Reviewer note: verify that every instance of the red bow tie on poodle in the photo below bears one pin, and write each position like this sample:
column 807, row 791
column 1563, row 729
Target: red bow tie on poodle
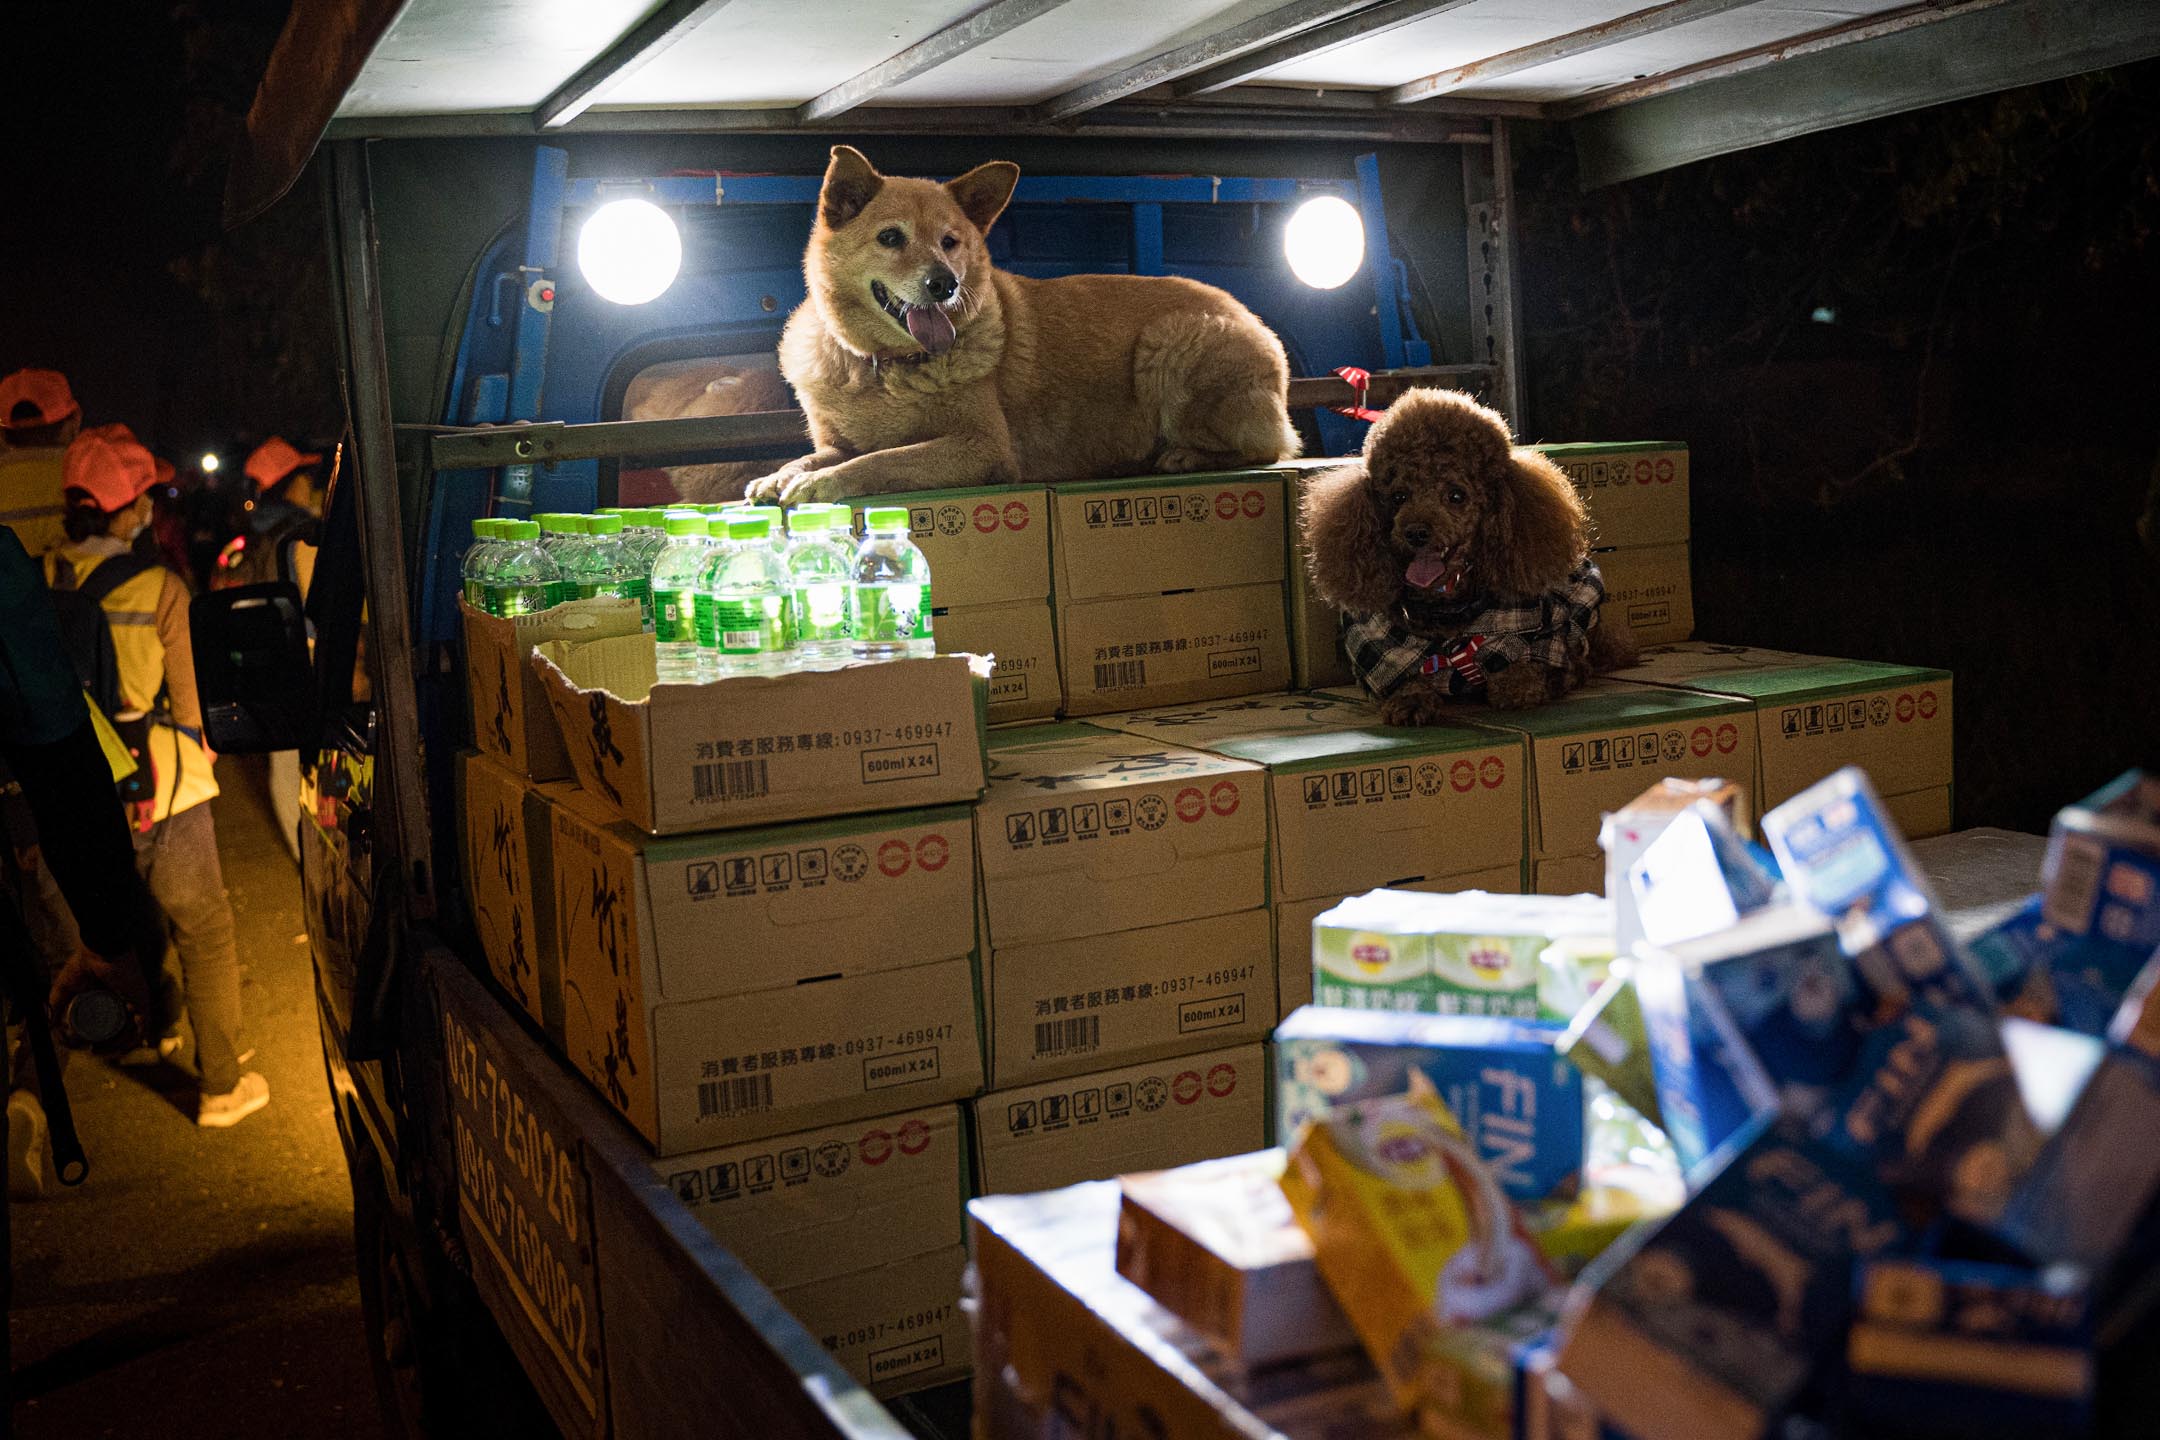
column 1462, row 563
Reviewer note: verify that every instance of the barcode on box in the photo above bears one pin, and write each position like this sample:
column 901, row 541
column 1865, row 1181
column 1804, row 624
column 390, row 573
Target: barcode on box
column 1121, row 675
column 726, row 780
column 1068, row 1037
column 724, row 1099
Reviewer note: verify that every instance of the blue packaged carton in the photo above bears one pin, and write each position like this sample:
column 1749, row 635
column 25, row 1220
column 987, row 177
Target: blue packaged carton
column 1966, row 1350
column 1840, row 852
column 2043, row 972
column 1698, row 877
column 1782, row 977
column 1710, row 1325
column 1709, row 1083
column 2102, row 872
column 2099, row 1174
column 1515, row 1097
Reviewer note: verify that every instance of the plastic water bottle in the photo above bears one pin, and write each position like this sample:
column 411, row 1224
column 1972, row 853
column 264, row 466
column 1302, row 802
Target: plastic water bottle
column 821, row 563
column 594, row 564
column 523, row 578
column 889, row 609
column 675, row 580
column 644, row 534
column 481, row 554
column 743, row 603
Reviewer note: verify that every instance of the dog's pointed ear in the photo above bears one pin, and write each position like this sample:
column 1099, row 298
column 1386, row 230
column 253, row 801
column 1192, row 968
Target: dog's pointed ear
column 1537, row 532
column 1346, row 543
column 982, row 193
column 850, row 182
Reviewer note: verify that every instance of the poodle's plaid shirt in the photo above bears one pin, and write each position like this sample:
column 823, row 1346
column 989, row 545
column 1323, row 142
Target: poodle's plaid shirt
column 1488, row 636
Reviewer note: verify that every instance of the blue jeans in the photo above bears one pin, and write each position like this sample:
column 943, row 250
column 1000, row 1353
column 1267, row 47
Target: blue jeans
column 178, row 859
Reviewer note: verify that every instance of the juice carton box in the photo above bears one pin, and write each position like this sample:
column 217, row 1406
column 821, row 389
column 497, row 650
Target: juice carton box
column 1521, row 1104
column 1950, row 1349
column 1632, row 829
column 2042, row 972
column 1426, row 1256
column 1709, row 1082
column 1607, row 1042
column 2102, row 871
column 1709, row 1325
column 1698, row 876
column 1462, row 954
column 1789, row 990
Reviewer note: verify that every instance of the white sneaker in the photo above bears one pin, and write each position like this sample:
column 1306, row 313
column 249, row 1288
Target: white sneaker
column 216, row 1112
column 26, row 1147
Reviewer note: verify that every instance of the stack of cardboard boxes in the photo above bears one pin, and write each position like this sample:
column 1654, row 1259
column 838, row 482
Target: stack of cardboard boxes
column 1638, row 498
column 842, row 953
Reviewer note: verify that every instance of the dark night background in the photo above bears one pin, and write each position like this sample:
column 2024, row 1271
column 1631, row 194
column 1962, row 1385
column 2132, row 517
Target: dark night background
column 1951, row 466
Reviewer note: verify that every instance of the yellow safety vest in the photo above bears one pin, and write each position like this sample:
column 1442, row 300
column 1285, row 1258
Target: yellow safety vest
column 30, row 503
column 184, row 775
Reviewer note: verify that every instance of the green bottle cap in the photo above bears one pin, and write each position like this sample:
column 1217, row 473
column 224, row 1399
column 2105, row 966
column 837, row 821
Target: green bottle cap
column 716, row 526
column 520, row 529
column 810, row 519
column 603, row 524
column 612, row 510
column 681, row 522
column 555, row 522
column 888, row 517
column 483, row 529
column 749, row 527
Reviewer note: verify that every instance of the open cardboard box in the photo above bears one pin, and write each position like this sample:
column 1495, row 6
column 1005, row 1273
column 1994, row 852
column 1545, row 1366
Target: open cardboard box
column 512, row 721
column 753, row 750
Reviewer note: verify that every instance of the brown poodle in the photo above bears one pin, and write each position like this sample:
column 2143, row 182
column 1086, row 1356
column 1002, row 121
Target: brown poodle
column 1463, row 564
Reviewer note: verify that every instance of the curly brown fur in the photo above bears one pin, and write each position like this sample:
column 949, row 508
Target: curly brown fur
column 1441, row 480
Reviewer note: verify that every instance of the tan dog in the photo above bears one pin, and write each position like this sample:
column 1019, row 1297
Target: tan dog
column 919, row 365
column 681, row 389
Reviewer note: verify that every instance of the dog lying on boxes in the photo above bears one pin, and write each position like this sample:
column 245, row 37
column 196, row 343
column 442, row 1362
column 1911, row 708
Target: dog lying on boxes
column 1462, row 562
column 919, row 365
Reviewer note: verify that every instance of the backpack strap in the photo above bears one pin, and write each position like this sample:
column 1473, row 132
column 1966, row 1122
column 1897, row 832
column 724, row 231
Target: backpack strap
column 111, row 574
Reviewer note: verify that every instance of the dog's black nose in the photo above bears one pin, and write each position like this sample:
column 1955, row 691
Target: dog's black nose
column 1418, row 535
column 941, row 284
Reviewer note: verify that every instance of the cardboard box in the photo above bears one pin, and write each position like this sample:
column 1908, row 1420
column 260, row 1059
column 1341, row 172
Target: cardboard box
column 1294, row 922
column 1652, row 587
column 897, row 1328
column 1316, row 655
column 1150, row 1116
column 1816, row 714
column 509, row 886
column 752, row 750
column 1568, row 875
column 1216, row 1244
column 987, row 545
column 1200, row 532
column 820, row 1204
column 1065, row 1344
column 829, row 998
column 511, row 718
column 1172, row 648
column 1354, row 804
column 1705, row 1327
column 1518, row 1101
column 1219, row 627
column 1598, row 747
column 1021, row 639
column 1086, row 831
column 1068, row 1006
column 1637, row 491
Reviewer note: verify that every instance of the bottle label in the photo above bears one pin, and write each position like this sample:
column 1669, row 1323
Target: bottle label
column 749, row 625
column 675, row 617
column 821, row 612
column 892, row 613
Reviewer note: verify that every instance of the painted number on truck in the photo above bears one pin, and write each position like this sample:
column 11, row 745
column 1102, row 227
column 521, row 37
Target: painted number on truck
column 526, row 1205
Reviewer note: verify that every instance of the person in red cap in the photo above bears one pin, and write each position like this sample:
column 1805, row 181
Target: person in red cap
column 107, row 482
column 38, row 419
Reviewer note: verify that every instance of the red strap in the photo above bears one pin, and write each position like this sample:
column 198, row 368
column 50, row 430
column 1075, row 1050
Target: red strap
column 1360, row 381
column 1459, row 655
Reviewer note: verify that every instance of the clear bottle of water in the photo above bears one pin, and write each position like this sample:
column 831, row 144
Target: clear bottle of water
column 821, row 563
column 479, row 556
column 560, row 531
column 646, row 536
column 594, row 564
column 676, row 573
column 743, row 603
column 523, row 578
column 889, row 605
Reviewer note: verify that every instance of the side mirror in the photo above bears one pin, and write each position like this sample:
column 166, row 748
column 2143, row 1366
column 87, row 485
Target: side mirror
column 253, row 670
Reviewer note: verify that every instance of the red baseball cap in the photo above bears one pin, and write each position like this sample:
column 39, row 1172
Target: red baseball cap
column 112, row 470
column 275, row 459
column 118, row 431
column 46, row 391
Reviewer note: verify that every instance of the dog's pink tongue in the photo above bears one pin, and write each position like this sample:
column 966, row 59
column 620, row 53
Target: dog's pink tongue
column 931, row 327
column 1427, row 569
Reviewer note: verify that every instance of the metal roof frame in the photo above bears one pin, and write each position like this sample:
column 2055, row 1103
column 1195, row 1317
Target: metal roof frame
column 1202, row 87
